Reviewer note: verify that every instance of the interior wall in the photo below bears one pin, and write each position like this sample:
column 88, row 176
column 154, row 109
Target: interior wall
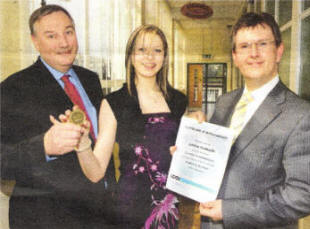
column 215, row 44
column 179, row 58
column 10, row 38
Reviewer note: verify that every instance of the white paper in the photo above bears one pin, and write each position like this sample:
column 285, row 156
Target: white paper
column 198, row 165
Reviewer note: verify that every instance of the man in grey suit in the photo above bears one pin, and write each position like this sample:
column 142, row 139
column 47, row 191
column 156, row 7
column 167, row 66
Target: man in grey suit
column 267, row 179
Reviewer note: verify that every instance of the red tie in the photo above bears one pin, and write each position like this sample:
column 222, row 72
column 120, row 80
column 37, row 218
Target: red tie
column 76, row 99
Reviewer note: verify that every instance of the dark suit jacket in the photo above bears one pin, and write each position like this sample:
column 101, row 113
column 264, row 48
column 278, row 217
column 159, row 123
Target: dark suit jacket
column 53, row 194
column 267, row 179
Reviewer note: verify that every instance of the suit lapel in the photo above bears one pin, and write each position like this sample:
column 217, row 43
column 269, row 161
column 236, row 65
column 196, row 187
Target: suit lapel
column 225, row 109
column 88, row 86
column 51, row 87
column 268, row 111
column 84, row 81
column 50, row 84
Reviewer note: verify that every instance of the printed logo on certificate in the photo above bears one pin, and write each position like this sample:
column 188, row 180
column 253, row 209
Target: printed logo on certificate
column 198, row 165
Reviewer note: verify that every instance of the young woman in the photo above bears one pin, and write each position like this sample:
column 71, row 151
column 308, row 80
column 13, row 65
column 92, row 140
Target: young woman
column 143, row 117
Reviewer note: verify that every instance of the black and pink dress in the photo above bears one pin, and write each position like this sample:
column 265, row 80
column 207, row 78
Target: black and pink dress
column 141, row 199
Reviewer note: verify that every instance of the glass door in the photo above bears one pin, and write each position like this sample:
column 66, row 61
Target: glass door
column 205, row 83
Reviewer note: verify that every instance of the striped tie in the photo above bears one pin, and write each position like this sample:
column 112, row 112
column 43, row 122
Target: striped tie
column 238, row 118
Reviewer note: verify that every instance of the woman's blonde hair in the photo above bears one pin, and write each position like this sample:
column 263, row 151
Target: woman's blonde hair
column 162, row 75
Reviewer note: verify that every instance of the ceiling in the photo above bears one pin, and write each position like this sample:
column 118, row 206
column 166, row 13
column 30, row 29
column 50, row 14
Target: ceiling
column 225, row 13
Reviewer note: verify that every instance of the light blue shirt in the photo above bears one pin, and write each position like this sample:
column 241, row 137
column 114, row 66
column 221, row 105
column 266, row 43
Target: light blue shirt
column 91, row 110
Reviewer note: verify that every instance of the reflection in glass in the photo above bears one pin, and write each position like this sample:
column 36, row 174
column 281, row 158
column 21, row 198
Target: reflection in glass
column 285, row 11
column 216, row 70
column 305, row 59
column 284, row 70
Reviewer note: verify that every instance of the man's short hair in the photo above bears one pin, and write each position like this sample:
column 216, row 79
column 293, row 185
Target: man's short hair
column 253, row 19
column 43, row 11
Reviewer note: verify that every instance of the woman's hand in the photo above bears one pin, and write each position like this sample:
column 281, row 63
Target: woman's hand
column 172, row 149
column 198, row 115
column 85, row 142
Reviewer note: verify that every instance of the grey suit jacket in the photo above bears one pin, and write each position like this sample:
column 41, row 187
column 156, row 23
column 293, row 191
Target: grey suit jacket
column 267, row 179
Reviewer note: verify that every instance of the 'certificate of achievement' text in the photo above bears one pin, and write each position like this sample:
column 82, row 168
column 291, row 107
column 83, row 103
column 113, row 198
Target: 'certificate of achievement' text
column 199, row 163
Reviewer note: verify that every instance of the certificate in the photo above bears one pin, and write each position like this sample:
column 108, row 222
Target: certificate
column 198, row 165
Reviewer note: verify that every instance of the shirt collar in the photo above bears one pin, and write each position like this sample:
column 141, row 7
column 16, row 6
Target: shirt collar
column 262, row 92
column 57, row 74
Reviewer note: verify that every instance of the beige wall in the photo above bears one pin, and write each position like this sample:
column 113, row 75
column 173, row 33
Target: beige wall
column 16, row 49
column 10, row 38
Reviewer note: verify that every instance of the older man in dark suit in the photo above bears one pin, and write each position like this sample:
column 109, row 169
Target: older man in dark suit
column 267, row 179
column 51, row 190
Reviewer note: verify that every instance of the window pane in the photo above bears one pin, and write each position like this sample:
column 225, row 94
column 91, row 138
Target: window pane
column 285, row 62
column 270, row 6
column 305, row 59
column 285, row 11
column 306, row 4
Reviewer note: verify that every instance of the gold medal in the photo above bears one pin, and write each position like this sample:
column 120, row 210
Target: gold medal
column 77, row 117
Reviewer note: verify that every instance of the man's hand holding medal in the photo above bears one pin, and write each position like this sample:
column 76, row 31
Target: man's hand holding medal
column 73, row 130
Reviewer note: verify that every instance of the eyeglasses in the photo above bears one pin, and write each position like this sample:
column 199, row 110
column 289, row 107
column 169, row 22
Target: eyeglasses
column 260, row 45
